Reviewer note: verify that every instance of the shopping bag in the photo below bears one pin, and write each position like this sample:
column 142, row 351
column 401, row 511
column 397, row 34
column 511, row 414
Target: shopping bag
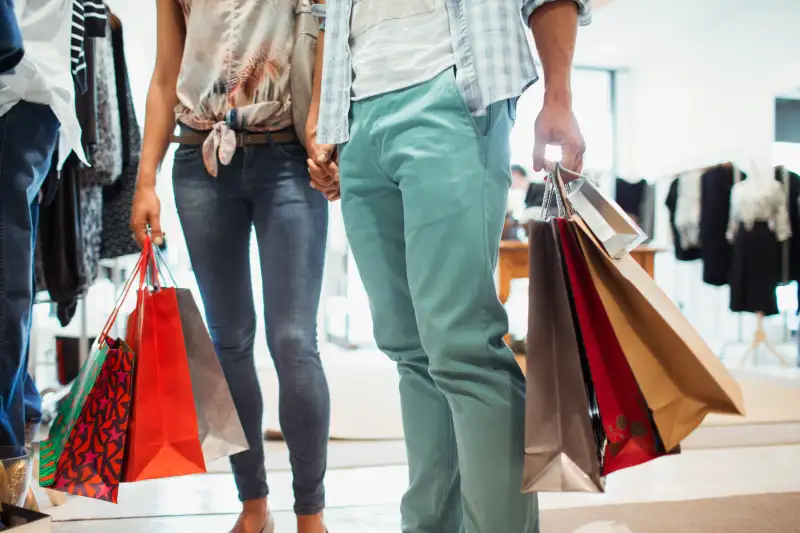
column 561, row 449
column 220, row 430
column 681, row 379
column 85, row 449
column 631, row 434
column 91, row 464
column 163, row 434
column 612, row 226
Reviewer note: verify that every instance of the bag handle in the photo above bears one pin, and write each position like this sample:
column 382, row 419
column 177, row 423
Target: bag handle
column 140, row 269
column 555, row 183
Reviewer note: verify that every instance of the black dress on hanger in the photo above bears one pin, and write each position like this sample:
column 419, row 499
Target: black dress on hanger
column 630, row 197
column 717, row 252
column 759, row 224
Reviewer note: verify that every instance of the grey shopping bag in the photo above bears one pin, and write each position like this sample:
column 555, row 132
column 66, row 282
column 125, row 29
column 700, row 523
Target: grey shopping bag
column 221, row 432
column 561, row 451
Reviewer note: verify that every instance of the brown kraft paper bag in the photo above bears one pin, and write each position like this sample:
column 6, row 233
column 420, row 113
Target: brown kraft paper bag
column 560, row 450
column 681, row 379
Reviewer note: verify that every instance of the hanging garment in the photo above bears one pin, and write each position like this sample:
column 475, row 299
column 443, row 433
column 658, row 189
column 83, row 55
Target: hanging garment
column 794, row 221
column 106, row 154
column 61, row 245
column 682, row 252
column 91, row 209
column 687, row 208
column 647, row 220
column 759, row 201
column 755, row 270
column 88, row 20
column 715, row 197
column 117, row 198
column 629, row 196
column 759, row 222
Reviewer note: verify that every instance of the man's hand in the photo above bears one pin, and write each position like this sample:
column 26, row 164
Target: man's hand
column 322, row 164
column 556, row 125
column 555, row 27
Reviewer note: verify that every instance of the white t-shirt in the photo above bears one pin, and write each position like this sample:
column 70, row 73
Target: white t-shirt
column 396, row 44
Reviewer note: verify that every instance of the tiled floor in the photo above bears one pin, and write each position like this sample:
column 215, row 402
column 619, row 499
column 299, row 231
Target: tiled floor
column 365, row 500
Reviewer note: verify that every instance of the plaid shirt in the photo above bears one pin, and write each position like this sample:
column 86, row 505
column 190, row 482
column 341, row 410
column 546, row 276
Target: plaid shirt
column 493, row 58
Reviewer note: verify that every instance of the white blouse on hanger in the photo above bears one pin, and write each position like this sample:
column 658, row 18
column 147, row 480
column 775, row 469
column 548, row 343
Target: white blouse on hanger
column 688, row 207
column 754, row 200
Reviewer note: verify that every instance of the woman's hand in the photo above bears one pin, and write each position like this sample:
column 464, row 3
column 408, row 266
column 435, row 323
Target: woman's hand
column 146, row 211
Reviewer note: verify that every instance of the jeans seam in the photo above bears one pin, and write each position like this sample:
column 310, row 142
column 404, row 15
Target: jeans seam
column 3, row 299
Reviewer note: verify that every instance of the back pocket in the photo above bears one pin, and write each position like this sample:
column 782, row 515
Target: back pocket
column 369, row 13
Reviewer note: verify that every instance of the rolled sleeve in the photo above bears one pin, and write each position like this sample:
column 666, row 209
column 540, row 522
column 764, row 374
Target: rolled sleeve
column 320, row 11
column 584, row 9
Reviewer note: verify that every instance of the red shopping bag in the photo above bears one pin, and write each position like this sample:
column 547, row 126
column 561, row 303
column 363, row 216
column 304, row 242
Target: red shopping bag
column 631, row 433
column 163, row 438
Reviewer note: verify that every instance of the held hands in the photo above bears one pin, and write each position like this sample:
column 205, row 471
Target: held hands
column 556, row 125
column 146, row 211
column 322, row 164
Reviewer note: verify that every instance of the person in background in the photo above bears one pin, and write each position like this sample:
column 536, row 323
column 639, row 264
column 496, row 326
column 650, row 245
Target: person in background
column 222, row 71
column 519, row 178
column 520, row 184
column 37, row 118
column 447, row 103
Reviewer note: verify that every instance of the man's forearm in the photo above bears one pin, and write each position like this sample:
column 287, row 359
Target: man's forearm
column 555, row 28
column 313, row 113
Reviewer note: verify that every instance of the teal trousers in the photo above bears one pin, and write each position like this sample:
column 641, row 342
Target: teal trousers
column 424, row 187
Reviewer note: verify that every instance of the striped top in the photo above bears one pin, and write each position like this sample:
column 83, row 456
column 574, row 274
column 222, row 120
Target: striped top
column 88, row 20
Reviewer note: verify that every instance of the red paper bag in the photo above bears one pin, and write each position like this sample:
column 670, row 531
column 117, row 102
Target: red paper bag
column 163, row 437
column 631, row 434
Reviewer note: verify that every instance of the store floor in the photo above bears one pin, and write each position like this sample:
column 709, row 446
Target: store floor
column 365, row 500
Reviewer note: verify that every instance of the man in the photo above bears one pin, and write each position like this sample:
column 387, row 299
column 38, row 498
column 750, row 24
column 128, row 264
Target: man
column 36, row 110
column 420, row 97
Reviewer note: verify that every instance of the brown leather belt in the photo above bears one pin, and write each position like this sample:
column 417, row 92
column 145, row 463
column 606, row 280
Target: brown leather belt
column 242, row 138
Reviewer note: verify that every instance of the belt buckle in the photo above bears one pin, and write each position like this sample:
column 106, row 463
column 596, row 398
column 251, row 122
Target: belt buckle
column 240, row 139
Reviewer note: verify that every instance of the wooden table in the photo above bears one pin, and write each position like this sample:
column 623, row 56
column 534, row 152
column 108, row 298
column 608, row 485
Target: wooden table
column 513, row 263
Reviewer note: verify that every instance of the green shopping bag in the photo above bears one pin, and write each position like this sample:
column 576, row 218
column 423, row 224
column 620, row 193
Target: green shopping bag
column 52, row 448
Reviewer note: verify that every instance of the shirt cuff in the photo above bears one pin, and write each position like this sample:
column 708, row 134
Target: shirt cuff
column 584, row 10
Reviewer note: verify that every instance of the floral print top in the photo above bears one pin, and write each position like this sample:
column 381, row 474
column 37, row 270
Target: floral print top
column 235, row 69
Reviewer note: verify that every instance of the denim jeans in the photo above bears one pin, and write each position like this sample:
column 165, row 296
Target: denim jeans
column 266, row 187
column 28, row 134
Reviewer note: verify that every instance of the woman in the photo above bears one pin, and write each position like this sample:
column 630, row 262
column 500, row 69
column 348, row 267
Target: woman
column 222, row 68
